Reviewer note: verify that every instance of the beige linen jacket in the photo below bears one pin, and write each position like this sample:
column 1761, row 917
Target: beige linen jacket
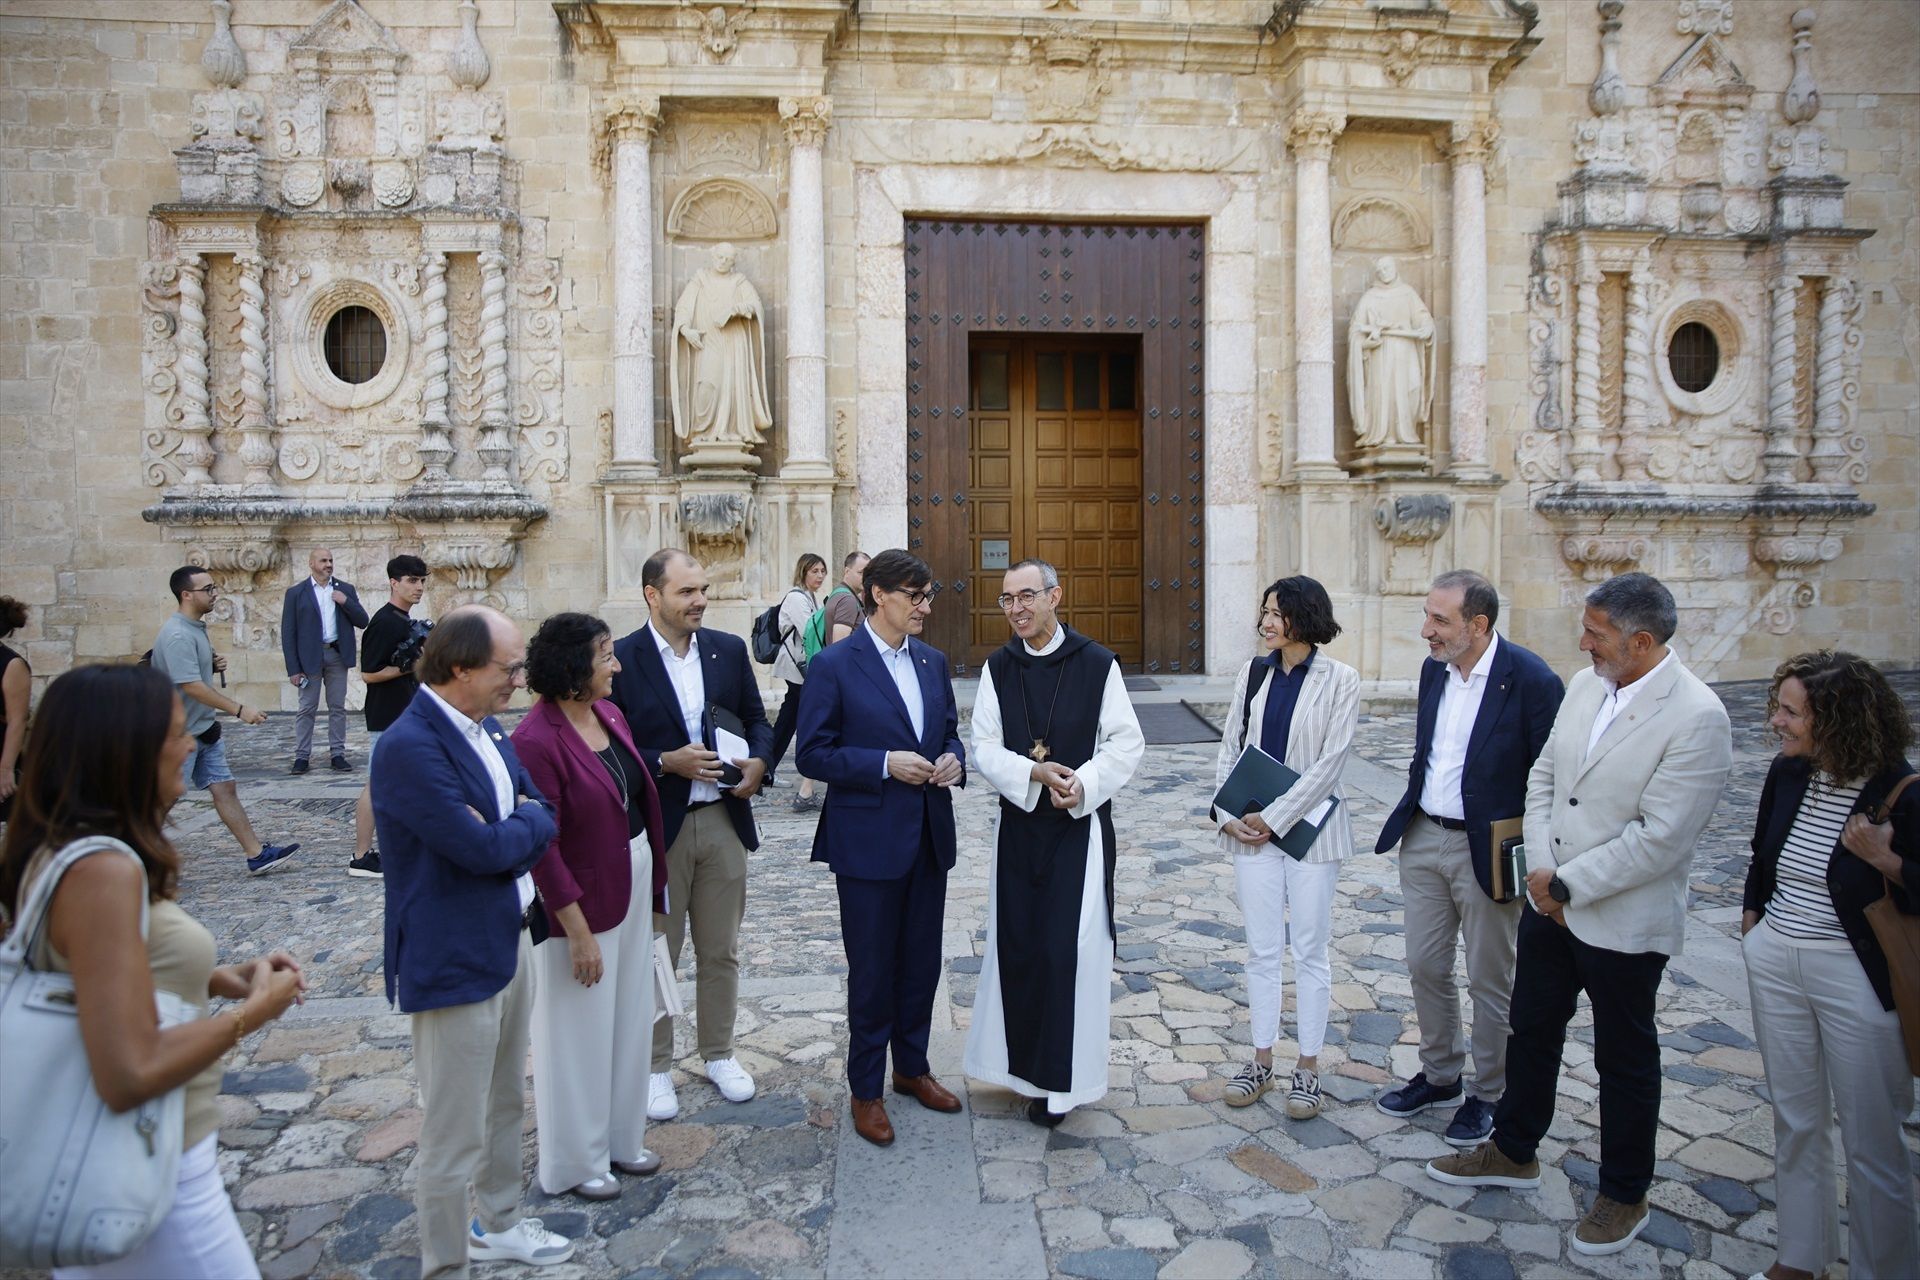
column 1621, row 824
column 1317, row 744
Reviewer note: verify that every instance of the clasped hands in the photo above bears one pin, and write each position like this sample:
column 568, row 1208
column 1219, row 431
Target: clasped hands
column 916, row 770
column 1249, row 830
column 1543, row 902
column 698, row 763
column 1063, row 785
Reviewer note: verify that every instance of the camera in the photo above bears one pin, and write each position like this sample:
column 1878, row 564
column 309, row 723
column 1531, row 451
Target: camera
column 408, row 651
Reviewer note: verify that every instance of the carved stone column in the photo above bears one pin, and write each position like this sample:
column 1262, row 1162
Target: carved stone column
column 1472, row 140
column 257, row 451
column 496, row 445
column 436, row 444
column 1584, row 452
column 806, row 121
column 1828, row 458
column 1311, row 136
column 195, row 405
column 1780, row 458
column 1636, row 382
column 630, row 126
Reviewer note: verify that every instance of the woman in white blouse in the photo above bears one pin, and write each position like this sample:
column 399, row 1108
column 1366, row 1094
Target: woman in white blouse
column 1300, row 707
column 1822, row 999
column 790, row 663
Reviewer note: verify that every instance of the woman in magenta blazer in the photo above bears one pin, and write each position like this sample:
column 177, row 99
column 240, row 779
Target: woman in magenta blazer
column 601, row 880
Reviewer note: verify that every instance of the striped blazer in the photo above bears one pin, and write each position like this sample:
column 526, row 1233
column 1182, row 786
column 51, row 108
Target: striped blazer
column 1317, row 746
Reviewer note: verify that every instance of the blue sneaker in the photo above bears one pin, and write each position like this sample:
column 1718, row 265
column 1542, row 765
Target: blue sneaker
column 1473, row 1124
column 1417, row 1095
column 268, row 858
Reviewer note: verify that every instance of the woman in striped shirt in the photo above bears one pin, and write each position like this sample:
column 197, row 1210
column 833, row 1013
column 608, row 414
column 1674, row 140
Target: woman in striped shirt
column 1822, row 1002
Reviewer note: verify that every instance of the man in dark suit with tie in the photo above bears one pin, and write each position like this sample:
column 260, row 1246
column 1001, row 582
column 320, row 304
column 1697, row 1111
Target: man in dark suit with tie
column 675, row 676
column 317, row 622
column 461, row 824
column 879, row 726
column 1486, row 708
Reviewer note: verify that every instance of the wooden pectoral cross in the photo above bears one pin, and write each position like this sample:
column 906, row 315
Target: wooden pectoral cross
column 1039, row 751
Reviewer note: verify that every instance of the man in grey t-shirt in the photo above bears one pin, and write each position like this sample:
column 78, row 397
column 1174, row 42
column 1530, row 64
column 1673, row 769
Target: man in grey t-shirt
column 184, row 653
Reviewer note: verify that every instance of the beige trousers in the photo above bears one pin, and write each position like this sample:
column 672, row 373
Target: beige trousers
column 471, row 1063
column 1443, row 903
column 707, row 885
column 1828, row 1046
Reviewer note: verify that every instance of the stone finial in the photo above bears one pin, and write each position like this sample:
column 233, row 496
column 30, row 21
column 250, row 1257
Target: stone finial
column 222, row 60
column 467, row 65
column 1802, row 101
column 1609, row 90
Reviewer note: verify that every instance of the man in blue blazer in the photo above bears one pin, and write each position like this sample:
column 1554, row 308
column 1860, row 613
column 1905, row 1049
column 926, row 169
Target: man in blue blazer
column 676, row 680
column 317, row 621
column 879, row 726
column 1486, row 708
column 461, row 824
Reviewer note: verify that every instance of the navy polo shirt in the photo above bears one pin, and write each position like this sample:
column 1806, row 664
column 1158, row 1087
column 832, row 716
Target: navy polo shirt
column 1283, row 694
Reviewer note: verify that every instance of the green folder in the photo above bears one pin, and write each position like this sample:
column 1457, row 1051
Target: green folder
column 1258, row 778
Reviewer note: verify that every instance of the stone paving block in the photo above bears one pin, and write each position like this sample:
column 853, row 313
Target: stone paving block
column 1110, row 1264
column 1446, row 1226
column 1365, row 1212
column 1210, row 1260
column 1724, row 1159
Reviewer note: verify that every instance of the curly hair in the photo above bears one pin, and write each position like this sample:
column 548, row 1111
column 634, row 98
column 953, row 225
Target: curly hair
column 1860, row 726
column 560, row 655
column 13, row 616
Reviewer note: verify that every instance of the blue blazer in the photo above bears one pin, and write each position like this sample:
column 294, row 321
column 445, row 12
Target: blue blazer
column 1516, row 715
column 300, row 642
column 453, row 914
column 851, row 716
column 646, row 697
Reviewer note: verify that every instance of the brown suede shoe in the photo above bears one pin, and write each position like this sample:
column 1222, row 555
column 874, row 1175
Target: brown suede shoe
column 1484, row 1166
column 870, row 1121
column 930, row 1093
column 1609, row 1226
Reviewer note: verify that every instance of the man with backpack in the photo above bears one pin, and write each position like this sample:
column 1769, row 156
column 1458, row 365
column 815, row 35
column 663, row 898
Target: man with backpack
column 840, row 615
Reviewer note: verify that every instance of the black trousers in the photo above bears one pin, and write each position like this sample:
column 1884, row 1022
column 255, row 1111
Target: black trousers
column 892, row 933
column 784, row 725
column 1552, row 967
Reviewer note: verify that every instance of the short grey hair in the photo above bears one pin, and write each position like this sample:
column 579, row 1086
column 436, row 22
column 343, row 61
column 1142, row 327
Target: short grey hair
column 1637, row 602
column 1049, row 576
column 1481, row 598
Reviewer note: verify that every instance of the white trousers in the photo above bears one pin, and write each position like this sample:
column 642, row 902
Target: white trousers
column 198, row 1238
column 1271, row 884
column 592, row 1046
column 1828, row 1046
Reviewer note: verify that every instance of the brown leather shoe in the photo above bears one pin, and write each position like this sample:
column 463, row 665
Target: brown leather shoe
column 870, row 1121
column 930, row 1093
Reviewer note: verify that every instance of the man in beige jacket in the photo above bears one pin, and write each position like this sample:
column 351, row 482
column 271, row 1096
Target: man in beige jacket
column 1638, row 757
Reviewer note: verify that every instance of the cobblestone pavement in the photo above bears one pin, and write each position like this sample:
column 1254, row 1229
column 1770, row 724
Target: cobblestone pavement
column 1159, row 1179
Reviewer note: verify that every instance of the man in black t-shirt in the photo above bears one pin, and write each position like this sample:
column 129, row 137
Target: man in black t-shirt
column 388, row 648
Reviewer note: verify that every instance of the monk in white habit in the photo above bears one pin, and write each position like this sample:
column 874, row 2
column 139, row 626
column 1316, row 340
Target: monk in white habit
column 719, row 364
column 1389, row 361
column 1054, row 734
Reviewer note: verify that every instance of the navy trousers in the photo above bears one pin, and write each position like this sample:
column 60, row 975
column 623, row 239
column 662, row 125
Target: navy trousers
column 891, row 930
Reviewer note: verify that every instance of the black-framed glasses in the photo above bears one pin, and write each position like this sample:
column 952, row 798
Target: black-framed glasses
column 514, row 670
column 209, row 589
column 1025, row 598
column 918, row 598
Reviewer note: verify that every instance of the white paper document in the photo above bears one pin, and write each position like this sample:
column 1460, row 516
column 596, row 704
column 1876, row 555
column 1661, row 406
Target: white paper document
column 731, row 747
column 1318, row 814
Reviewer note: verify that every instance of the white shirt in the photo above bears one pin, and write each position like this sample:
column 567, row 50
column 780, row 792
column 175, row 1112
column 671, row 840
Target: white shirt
column 329, row 621
column 690, row 686
column 1460, row 702
column 1618, row 696
column 478, row 738
column 899, row 665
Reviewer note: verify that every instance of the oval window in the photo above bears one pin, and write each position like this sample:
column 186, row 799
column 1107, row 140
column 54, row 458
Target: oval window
column 1693, row 356
column 355, row 345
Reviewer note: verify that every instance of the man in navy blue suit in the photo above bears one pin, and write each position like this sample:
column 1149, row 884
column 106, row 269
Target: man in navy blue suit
column 1486, row 708
column 461, row 824
column 879, row 726
column 317, row 621
column 676, row 678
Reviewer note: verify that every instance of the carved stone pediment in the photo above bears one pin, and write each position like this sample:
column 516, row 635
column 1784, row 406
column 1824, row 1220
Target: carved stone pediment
column 1704, row 74
column 345, row 37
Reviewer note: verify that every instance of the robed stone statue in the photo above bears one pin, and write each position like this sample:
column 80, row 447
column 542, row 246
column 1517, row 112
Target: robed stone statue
column 719, row 366
column 1389, row 362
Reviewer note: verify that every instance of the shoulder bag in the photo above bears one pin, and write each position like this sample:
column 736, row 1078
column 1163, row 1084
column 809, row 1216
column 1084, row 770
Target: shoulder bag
column 1899, row 937
column 85, row 1185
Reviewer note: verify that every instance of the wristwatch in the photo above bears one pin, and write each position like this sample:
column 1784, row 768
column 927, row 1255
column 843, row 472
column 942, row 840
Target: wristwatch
column 1557, row 890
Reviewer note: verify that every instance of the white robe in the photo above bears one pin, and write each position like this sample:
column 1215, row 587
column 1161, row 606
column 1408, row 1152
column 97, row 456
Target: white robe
column 1118, row 746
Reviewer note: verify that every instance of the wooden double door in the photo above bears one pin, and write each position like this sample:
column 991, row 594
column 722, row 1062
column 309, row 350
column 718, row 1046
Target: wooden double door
column 1054, row 472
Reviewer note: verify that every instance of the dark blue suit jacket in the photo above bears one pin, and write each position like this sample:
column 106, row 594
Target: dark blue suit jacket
column 453, row 914
column 300, row 642
column 851, row 716
column 1516, row 715
column 645, row 695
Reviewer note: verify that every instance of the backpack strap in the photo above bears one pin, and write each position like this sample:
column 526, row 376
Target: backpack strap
column 1256, row 681
column 22, row 944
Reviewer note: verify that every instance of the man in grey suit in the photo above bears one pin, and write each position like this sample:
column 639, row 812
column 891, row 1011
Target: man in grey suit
column 1638, row 757
column 317, row 623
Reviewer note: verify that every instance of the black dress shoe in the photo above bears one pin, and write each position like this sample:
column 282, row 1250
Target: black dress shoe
column 340, row 765
column 300, row 766
column 1038, row 1113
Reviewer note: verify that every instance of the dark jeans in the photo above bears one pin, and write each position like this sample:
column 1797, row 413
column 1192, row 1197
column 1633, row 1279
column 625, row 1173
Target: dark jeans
column 784, row 725
column 892, row 933
column 1552, row 968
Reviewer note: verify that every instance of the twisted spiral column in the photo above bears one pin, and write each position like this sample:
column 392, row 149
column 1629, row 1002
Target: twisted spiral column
column 256, row 425
column 193, row 409
column 436, row 445
column 1636, row 384
column 496, row 447
column 1829, row 454
column 1584, row 453
column 1779, row 459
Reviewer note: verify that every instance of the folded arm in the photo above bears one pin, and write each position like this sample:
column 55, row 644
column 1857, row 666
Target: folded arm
column 428, row 801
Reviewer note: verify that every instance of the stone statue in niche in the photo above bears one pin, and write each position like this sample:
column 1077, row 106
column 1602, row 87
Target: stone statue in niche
column 719, row 366
column 1390, row 363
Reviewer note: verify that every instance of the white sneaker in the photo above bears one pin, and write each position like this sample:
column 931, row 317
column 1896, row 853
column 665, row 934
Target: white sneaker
column 662, row 1102
column 731, row 1079
column 528, row 1241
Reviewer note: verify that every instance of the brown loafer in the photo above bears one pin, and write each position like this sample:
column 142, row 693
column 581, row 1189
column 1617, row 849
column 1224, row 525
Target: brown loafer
column 930, row 1093
column 870, row 1121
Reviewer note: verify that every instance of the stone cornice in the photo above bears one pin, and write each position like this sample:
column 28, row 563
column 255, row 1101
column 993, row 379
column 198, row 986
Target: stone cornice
column 1762, row 504
column 214, row 511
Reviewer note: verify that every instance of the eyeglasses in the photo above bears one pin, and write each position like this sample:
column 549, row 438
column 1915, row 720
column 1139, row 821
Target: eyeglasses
column 209, row 589
column 514, row 670
column 915, row 598
column 1024, row 598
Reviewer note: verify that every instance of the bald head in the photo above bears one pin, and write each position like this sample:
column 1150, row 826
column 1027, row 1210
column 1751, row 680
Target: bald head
column 320, row 564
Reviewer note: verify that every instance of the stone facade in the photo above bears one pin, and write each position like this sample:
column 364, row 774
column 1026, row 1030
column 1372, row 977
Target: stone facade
column 516, row 190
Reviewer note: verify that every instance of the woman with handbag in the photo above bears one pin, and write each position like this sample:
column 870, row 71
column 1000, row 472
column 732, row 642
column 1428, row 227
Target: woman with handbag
column 600, row 882
column 104, row 763
column 1824, row 853
column 790, row 664
column 1300, row 707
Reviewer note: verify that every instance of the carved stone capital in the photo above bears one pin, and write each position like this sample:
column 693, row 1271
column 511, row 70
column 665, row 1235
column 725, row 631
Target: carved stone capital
column 1598, row 557
column 1472, row 141
column 238, row 562
column 1413, row 519
column 806, row 120
column 1311, row 134
column 633, row 117
column 474, row 557
column 1796, row 552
